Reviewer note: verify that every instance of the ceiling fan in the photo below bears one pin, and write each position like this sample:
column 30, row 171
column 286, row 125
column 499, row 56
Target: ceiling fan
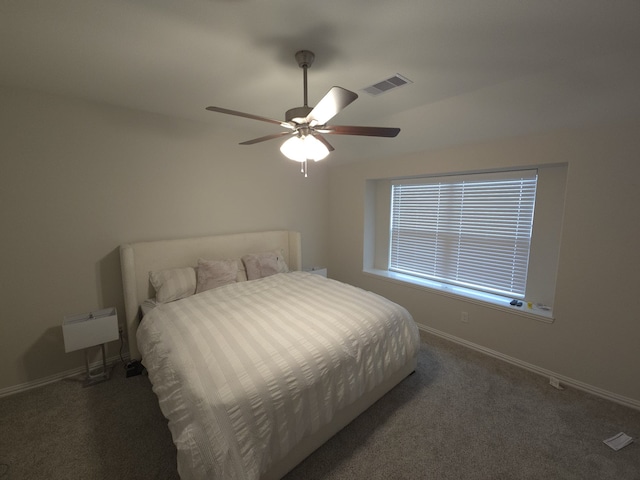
column 306, row 125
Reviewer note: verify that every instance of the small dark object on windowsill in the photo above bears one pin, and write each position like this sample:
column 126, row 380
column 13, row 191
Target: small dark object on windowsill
column 515, row 303
column 134, row 368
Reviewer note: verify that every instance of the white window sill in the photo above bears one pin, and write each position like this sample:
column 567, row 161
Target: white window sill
column 465, row 294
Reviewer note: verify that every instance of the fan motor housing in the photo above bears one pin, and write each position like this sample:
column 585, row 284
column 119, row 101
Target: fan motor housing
column 297, row 114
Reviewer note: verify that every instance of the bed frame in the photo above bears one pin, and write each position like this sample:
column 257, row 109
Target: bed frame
column 138, row 259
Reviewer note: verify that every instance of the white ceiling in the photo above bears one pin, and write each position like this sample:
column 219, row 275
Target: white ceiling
column 480, row 69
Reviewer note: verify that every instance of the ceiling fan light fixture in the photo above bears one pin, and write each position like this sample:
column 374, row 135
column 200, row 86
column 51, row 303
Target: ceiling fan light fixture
column 304, row 147
column 307, row 125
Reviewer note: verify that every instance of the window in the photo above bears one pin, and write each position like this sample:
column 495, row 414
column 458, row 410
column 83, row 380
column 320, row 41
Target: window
column 488, row 237
column 472, row 231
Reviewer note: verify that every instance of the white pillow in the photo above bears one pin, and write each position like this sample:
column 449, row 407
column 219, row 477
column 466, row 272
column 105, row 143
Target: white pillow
column 260, row 265
column 174, row 283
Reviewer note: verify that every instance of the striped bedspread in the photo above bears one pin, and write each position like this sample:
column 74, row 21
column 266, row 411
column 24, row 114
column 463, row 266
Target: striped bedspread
column 245, row 371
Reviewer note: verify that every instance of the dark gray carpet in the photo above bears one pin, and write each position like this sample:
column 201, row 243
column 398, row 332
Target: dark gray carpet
column 112, row 430
column 462, row 415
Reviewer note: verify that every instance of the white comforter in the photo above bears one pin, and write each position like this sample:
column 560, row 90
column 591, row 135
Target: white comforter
column 245, row 371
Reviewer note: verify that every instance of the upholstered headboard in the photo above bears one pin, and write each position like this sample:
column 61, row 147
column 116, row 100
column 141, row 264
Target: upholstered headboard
column 138, row 259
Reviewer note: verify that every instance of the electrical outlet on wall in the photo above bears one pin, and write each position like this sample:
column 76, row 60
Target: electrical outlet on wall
column 464, row 317
column 555, row 383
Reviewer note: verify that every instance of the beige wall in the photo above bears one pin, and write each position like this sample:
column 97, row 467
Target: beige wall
column 596, row 334
column 78, row 179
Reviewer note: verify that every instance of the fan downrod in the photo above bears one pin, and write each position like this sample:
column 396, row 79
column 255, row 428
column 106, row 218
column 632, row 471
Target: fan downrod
column 298, row 115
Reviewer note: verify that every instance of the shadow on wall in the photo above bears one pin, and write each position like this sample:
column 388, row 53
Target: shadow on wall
column 50, row 345
column 110, row 292
column 109, row 283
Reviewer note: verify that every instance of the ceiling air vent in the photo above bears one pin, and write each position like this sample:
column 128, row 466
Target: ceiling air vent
column 385, row 85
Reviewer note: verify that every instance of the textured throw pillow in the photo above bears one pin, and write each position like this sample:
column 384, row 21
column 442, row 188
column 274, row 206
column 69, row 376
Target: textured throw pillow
column 260, row 265
column 215, row 273
column 242, row 271
column 174, row 283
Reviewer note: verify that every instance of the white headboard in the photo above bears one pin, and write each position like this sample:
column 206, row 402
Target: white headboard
column 138, row 259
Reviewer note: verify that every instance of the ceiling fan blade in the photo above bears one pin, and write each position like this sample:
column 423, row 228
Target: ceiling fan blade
column 324, row 141
column 265, row 138
column 366, row 131
column 249, row 115
column 335, row 100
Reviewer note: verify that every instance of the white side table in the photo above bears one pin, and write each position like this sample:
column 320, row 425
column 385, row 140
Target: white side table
column 319, row 271
column 87, row 330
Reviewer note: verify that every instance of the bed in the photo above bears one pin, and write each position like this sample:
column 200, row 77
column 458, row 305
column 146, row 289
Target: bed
column 256, row 373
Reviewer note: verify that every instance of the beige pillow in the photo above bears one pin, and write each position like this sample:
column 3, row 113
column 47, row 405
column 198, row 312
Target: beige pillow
column 260, row 265
column 173, row 284
column 215, row 273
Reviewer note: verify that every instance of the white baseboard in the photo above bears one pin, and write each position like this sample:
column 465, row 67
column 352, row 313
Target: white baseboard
column 614, row 397
column 22, row 387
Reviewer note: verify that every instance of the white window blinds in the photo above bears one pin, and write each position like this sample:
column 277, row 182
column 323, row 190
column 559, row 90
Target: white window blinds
column 471, row 230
